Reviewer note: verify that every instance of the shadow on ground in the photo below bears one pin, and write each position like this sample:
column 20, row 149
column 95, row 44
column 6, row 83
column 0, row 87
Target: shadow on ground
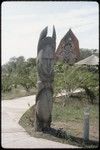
column 53, row 134
column 59, row 133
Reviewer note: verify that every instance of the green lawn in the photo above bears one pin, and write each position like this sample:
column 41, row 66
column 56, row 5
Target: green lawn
column 73, row 111
column 71, row 117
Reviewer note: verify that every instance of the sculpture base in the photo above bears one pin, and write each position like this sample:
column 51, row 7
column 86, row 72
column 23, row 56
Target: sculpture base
column 40, row 125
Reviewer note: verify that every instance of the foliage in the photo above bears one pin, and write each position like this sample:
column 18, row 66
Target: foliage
column 19, row 72
column 69, row 78
column 84, row 53
column 6, row 83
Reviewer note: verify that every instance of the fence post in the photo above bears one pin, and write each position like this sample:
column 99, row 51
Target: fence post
column 86, row 125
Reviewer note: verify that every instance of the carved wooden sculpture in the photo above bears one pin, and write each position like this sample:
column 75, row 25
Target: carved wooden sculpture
column 44, row 97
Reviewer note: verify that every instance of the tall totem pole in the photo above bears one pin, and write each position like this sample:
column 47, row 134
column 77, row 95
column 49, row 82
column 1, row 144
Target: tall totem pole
column 44, row 97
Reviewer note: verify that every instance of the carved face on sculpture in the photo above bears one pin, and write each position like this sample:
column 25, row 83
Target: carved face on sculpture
column 46, row 51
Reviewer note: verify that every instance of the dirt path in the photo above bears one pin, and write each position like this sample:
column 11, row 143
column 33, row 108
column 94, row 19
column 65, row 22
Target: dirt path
column 13, row 135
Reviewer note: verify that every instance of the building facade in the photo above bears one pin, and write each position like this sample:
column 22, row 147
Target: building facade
column 68, row 48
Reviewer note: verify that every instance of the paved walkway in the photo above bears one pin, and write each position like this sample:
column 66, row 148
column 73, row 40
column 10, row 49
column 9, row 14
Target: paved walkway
column 13, row 135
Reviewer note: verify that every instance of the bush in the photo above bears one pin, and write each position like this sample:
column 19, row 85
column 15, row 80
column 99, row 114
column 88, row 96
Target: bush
column 73, row 77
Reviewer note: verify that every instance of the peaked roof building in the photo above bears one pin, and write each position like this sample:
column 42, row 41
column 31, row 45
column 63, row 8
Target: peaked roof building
column 68, row 49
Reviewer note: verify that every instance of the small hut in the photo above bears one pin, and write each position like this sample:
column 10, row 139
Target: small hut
column 92, row 63
column 91, row 60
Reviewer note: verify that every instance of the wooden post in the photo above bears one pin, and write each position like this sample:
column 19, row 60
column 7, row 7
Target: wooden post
column 86, row 125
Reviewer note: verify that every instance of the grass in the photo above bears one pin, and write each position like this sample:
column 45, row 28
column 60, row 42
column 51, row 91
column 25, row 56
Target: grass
column 68, row 120
column 73, row 111
column 66, row 113
column 71, row 117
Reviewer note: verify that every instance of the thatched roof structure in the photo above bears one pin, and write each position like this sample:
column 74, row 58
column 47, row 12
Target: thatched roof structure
column 91, row 60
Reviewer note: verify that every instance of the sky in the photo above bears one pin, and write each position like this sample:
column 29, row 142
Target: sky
column 22, row 23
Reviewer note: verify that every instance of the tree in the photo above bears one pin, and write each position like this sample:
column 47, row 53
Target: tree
column 25, row 70
column 19, row 72
column 31, row 62
column 84, row 53
column 6, row 83
column 72, row 77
